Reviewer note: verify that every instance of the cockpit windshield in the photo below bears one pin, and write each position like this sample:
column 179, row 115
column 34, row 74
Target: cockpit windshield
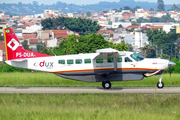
column 137, row 57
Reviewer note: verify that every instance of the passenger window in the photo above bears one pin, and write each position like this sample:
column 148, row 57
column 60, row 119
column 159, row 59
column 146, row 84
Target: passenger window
column 128, row 60
column 87, row 61
column 110, row 60
column 61, row 61
column 78, row 61
column 70, row 61
column 99, row 60
column 119, row 59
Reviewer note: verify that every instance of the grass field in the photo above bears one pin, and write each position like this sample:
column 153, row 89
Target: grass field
column 39, row 79
column 89, row 107
column 86, row 106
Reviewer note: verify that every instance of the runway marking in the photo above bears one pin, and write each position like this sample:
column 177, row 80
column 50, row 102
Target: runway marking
column 80, row 90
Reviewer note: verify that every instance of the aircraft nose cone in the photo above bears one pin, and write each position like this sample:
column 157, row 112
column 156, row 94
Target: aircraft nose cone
column 171, row 63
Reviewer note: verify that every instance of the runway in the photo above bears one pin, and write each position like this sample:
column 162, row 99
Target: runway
column 80, row 90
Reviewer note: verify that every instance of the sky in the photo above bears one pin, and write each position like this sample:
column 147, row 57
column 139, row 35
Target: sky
column 80, row 2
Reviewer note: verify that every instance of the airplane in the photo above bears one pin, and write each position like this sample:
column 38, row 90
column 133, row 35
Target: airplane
column 104, row 66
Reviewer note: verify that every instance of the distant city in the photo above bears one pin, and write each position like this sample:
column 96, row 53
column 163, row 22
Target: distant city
column 125, row 23
column 35, row 8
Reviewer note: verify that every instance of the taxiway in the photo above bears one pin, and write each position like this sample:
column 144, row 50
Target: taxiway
column 80, row 90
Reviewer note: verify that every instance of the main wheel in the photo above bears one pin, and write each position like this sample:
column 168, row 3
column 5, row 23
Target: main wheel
column 160, row 85
column 106, row 84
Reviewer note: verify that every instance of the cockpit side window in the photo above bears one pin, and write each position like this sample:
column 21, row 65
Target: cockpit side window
column 127, row 59
column 137, row 57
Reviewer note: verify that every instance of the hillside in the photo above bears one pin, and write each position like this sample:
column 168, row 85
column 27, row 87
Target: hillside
column 35, row 8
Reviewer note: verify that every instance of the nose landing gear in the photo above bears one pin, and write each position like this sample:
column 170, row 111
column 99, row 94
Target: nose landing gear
column 160, row 84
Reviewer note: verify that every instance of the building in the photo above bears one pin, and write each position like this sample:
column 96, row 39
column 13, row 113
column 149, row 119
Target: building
column 137, row 40
column 2, row 26
column 2, row 51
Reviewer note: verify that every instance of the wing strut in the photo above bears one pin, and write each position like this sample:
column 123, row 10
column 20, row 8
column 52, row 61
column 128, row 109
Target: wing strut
column 115, row 64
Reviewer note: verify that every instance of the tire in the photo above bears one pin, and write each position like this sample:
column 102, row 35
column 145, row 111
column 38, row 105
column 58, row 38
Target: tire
column 160, row 85
column 106, row 85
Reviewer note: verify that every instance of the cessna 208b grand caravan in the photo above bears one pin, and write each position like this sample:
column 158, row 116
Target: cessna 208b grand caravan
column 104, row 66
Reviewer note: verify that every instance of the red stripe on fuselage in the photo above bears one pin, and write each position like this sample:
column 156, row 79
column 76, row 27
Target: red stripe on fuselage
column 103, row 69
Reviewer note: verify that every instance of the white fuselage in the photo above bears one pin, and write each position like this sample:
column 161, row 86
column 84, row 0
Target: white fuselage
column 86, row 65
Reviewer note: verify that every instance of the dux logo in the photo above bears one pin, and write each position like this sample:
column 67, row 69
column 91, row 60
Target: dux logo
column 13, row 44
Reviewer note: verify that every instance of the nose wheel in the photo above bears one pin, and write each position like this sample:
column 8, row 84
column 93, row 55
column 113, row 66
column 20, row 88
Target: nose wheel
column 160, row 84
column 106, row 84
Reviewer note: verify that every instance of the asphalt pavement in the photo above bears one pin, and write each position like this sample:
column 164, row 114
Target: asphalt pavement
column 80, row 90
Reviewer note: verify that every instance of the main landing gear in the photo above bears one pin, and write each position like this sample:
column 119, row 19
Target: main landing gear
column 160, row 84
column 106, row 84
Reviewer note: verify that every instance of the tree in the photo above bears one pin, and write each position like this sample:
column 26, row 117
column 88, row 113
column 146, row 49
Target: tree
column 175, row 7
column 120, row 26
column 1, row 38
column 109, row 22
column 121, row 46
column 25, row 44
column 83, row 26
column 161, row 6
column 127, row 8
column 84, row 44
column 162, row 41
column 35, row 3
column 88, row 14
column 150, row 52
column 151, row 9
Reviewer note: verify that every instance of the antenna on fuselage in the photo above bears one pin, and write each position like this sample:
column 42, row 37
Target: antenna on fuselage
column 53, row 52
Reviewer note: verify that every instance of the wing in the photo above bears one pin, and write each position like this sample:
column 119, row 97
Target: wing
column 109, row 53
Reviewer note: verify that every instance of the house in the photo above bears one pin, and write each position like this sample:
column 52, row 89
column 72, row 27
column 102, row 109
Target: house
column 126, row 16
column 1, row 13
column 33, row 43
column 137, row 40
column 140, row 13
column 32, row 28
column 28, row 36
column 47, row 34
column 124, row 24
column 132, row 28
column 70, row 15
column 5, row 17
column 20, row 27
column 116, row 17
column 106, row 33
column 2, row 51
column 52, row 43
column 160, row 14
column 2, row 26
column 47, row 13
column 152, row 13
column 151, row 27
column 55, row 13
column 175, row 15
column 60, row 33
column 39, row 16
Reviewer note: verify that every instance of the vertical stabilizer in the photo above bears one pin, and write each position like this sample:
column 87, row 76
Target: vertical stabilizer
column 14, row 49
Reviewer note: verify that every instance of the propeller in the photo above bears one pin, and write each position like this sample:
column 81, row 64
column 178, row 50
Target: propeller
column 170, row 60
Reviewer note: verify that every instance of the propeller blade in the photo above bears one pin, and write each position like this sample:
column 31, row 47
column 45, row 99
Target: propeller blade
column 170, row 60
column 170, row 70
column 170, row 64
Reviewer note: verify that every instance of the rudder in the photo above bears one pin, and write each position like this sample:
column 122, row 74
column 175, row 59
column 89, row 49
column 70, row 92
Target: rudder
column 14, row 49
